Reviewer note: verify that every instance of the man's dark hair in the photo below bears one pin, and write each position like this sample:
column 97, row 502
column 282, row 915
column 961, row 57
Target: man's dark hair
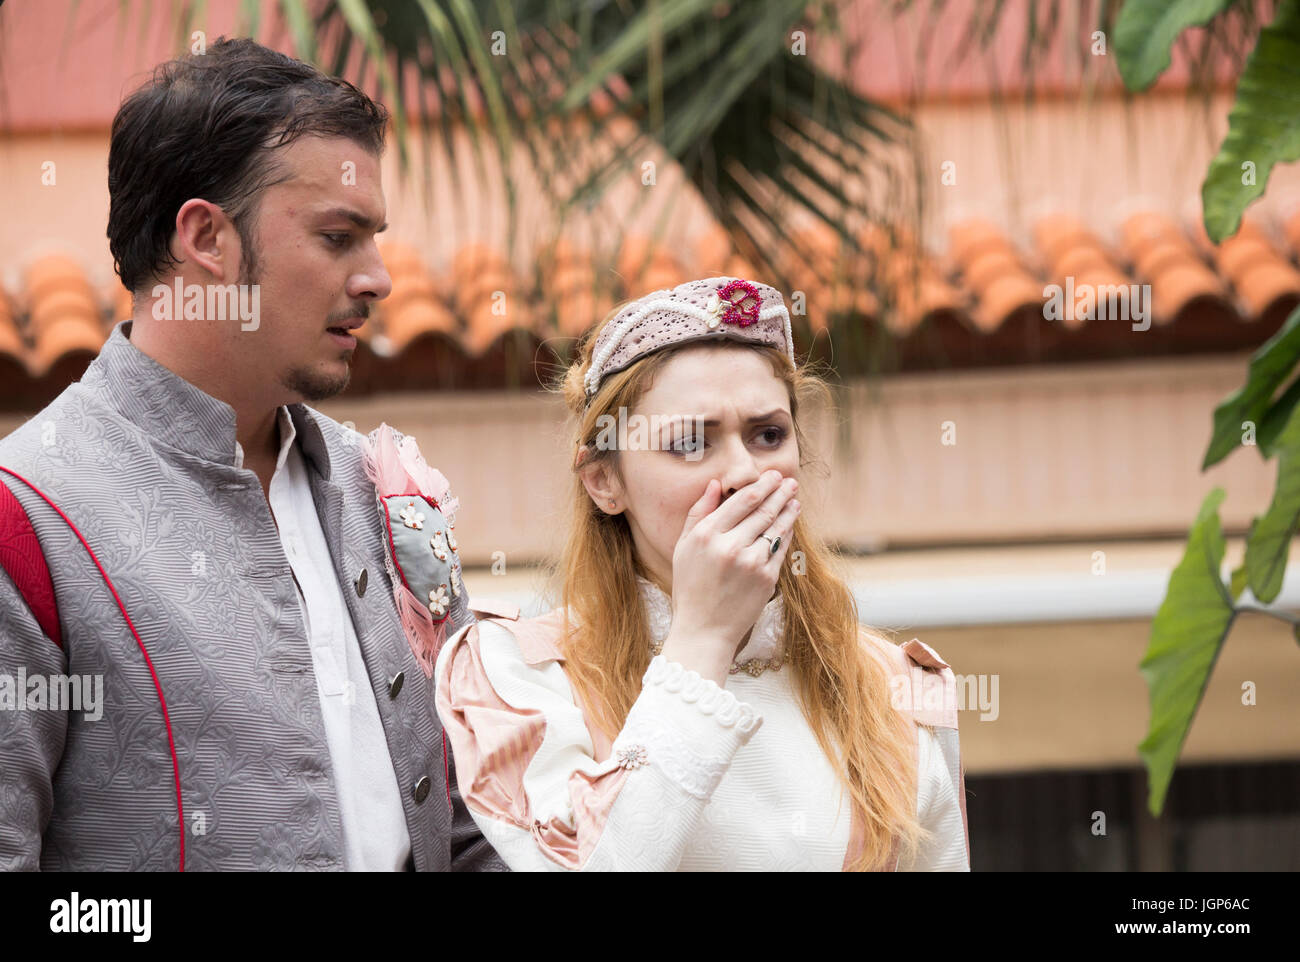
column 207, row 125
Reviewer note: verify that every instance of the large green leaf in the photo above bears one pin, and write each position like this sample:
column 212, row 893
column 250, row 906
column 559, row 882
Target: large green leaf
column 1276, row 418
column 1146, row 30
column 1263, row 127
column 1186, row 636
column 1269, row 367
column 1269, row 543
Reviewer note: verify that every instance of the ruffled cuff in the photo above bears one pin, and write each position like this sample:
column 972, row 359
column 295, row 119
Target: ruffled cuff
column 687, row 726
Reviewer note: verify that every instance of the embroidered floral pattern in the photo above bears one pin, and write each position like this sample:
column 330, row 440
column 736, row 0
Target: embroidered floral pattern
column 727, row 308
column 439, row 545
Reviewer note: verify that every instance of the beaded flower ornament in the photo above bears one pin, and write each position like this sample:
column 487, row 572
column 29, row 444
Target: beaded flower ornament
column 710, row 308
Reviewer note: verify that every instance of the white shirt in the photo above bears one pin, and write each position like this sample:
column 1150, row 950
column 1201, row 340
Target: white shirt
column 375, row 836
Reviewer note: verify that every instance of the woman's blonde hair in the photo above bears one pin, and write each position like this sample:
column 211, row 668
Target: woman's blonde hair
column 843, row 690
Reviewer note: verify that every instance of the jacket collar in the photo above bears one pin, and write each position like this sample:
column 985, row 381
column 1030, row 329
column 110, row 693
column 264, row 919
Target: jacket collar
column 172, row 410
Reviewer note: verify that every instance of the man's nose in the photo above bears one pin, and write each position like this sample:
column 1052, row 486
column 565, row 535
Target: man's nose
column 372, row 282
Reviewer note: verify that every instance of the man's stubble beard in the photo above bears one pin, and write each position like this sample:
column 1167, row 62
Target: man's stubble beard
column 306, row 383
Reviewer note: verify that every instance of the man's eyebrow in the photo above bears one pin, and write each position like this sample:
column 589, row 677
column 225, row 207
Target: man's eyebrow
column 358, row 218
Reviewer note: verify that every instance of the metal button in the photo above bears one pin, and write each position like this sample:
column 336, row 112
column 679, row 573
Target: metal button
column 422, row 789
column 362, row 579
column 395, row 685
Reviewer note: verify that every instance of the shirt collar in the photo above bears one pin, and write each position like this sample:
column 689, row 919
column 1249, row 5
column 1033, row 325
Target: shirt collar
column 287, row 433
column 172, row 410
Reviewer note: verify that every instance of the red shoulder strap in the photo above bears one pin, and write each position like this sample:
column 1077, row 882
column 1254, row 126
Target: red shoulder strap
column 22, row 558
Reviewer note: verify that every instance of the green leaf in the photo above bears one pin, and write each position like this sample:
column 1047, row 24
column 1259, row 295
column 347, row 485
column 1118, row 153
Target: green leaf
column 1146, row 30
column 1275, row 419
column 1263, row 127
column 1269, row 543
column 1186, row 636
column 1269, row 367
column 1238, row 583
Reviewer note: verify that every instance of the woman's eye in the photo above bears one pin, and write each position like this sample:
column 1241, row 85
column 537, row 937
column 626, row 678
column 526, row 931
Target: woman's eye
column 687, row 444
column 337, row 240
column 773, row 436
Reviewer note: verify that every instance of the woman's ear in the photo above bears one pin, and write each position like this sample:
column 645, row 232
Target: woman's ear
column 601, row 482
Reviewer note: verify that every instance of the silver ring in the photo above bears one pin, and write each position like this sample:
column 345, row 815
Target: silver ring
column 774, row 542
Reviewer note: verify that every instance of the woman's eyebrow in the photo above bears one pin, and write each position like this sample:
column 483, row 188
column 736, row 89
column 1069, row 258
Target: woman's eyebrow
column 768, row 416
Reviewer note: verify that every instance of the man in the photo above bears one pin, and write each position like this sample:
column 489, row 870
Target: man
column 262, row 709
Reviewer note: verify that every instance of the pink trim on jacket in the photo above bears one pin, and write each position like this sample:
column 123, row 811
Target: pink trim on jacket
column 929, row 681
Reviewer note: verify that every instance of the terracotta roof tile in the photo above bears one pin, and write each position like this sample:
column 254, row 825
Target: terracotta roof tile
column 1261, row 273
column 968, row 239
column 572, row 289
column 1291, row 230
column 1005, row 295
column 1266, row 282
column 647, row 265
column 451, row 329
column 11, row 342
column 489, row 296
column 995, row 273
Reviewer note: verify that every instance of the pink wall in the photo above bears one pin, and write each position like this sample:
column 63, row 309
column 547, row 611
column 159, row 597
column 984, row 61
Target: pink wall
column 60, row 72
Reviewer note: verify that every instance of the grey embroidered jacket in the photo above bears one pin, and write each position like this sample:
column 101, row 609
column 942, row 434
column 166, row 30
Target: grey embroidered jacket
column 142, row 462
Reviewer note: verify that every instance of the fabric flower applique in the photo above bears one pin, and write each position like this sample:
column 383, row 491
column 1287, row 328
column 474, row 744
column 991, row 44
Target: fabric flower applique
column 411, row 517
column 438, row 601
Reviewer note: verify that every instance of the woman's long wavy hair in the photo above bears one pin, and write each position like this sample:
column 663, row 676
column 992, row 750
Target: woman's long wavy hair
column 843, row 690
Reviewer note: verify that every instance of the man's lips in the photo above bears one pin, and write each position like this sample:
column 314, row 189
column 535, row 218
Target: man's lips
column 351, row 324
column 342, row 333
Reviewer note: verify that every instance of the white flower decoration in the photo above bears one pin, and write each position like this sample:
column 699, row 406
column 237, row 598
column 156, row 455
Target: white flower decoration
column 451, row 541
column 714, row 307
column 439, row 546
column 455, row 582
column 411, row 517
column 438, row 601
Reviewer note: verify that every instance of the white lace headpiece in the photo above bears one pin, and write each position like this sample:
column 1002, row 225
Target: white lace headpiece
column 714, row 307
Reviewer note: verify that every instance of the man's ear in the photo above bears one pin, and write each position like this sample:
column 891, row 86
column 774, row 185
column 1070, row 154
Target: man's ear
column 205, row 236
column 601, row 482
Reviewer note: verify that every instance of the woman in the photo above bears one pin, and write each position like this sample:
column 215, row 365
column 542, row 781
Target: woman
column 697, row 702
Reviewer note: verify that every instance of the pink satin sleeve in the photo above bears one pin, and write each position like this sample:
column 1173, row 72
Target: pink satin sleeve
column 493, row 745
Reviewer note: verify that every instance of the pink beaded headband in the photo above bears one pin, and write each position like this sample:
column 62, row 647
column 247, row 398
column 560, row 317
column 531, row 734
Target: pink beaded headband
column 714, row 307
